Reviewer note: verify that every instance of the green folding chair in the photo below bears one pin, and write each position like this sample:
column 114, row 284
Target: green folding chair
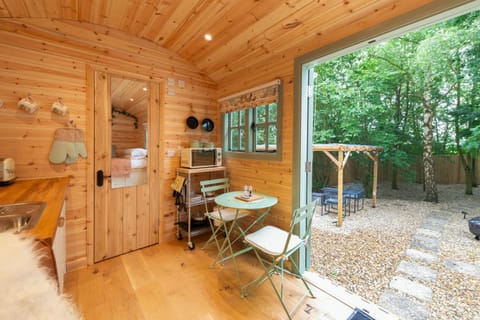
column 219, row 218
column 278, row 245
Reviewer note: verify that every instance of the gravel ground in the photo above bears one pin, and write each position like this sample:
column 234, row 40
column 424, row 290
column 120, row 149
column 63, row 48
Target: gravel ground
column 364, row 253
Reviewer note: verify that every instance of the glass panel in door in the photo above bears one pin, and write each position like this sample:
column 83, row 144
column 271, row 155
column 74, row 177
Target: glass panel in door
column 129, row 163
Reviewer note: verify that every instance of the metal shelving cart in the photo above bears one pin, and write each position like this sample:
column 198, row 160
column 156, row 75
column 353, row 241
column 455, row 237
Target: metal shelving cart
column 190, row 203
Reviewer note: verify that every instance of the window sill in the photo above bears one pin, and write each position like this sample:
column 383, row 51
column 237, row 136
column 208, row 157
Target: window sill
column 277, row 156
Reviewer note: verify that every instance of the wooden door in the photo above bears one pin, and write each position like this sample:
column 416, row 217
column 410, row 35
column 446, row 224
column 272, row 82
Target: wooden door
column 125, row 218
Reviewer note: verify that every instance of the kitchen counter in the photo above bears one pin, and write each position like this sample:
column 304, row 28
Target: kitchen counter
column 51, row 190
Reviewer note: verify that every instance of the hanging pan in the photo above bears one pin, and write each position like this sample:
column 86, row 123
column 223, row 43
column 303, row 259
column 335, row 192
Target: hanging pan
column 192, row 122
column 207, row 124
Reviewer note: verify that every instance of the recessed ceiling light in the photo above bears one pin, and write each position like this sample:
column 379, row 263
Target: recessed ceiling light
column 145, row 89
column 131, row 99
column 208, row 37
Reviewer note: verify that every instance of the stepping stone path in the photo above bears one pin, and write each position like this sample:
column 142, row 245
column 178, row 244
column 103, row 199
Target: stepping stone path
column 417, row 271
column 410, row 291
column 463, row 267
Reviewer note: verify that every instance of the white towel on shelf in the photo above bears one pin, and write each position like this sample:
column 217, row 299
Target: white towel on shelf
column 136, row 157
column 138, row 163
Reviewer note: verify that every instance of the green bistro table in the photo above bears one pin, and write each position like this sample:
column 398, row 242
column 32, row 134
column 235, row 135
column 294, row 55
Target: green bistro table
column 229, row 200
column 258, row 203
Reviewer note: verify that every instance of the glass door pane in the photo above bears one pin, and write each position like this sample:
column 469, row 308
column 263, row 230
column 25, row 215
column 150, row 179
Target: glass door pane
column 129, row 165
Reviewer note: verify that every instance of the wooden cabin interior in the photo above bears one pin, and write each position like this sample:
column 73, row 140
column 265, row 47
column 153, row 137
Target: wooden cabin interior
column 144, row 66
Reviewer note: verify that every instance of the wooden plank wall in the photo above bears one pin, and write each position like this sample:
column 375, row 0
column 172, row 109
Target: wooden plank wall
column 124, row 133
column 270, row 177
column 277, row 62
column 50, row 58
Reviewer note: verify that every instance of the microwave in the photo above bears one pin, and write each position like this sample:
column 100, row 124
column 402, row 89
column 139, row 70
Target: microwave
column 200, row 157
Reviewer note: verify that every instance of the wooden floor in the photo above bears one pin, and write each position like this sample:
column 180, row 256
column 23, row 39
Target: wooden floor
column 168, row 281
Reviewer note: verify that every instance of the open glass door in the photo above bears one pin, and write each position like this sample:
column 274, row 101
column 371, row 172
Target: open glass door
column 302, row 153
column 307, row 140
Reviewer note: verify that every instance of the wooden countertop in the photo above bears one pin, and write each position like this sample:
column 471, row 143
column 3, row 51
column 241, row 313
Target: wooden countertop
column 51, row 190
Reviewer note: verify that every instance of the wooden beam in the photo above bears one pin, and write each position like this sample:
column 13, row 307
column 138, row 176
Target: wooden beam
column 375, row 177
column 341, row 162
column 345, row 147
column 337, row 163
column 369, row 155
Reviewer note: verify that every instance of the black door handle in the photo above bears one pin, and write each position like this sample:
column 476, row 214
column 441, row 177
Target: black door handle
column 100, row 178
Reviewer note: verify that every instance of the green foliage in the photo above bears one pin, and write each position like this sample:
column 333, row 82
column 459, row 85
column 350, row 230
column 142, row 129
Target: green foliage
column 472, row 143
column 322, row 168
column 376, row 96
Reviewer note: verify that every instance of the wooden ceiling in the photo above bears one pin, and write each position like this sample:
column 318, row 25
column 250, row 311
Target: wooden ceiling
column 244, row 32
column 131, row 96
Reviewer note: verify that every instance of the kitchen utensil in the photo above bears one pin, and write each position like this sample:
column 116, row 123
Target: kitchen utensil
column 192, row 122
column 207, row 124
column 7, row 171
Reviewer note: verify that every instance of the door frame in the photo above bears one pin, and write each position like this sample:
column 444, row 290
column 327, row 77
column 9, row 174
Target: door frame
column 157, row 99
column 303, row 108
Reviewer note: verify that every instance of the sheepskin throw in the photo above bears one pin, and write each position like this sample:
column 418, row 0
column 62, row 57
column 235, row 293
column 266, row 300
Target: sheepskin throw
column 27, row 290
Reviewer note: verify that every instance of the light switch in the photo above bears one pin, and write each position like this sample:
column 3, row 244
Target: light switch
column 170, row 153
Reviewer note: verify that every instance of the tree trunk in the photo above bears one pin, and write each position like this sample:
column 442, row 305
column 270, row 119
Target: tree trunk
column 394, row 177
column 465, row 159
column 474, row 173
column 431, row 193
column 467, row 163
column 468, row 176
column 398, row 119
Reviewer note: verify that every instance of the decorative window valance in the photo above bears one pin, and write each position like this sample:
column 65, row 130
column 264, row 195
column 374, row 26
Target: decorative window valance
column 258, row 96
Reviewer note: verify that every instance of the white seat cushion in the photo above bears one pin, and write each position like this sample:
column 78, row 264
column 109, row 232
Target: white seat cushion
column 271, row 240
column 228, row 214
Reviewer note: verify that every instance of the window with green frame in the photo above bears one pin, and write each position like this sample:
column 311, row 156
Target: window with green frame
column 264, row 127
column 252, row 129
column 236, row 130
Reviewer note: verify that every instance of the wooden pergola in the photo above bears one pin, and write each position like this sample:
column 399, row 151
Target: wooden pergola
column 343, row 152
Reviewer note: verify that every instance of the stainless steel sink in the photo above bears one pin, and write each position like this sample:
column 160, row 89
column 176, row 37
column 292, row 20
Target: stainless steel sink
column 20, row 216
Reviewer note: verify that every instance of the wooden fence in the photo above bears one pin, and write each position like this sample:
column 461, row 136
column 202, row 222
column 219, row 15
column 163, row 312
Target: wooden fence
column 448, row 170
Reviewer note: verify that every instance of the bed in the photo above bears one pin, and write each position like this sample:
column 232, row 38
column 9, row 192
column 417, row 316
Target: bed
column 129, row 168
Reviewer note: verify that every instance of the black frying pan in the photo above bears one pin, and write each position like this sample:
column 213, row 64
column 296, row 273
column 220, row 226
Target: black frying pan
column 192, row 122
column 207, row 124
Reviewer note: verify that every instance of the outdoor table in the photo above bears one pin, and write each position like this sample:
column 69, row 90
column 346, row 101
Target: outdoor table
column 356, row 195
column 350, row 193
